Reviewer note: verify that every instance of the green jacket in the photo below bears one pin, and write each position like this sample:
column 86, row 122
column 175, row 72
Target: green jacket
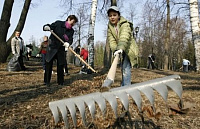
column 123, row 40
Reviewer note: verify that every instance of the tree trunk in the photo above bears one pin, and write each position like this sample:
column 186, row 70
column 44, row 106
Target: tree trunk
column 194, row 20
column 113, row 3
column 4, row 25
column 91, row 34
column 6, row 45
column 107, row 56
column 166, row 52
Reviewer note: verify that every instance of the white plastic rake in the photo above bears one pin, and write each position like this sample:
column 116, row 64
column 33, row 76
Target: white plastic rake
column 133, row 91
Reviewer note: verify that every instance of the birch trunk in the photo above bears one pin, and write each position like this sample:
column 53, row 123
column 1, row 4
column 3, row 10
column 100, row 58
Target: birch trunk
column 194, row 20
column 91, row 34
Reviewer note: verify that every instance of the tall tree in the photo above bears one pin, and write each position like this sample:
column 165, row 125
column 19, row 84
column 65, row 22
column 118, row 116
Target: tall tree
column 4, row 25
column 82, row 24
column 6, row 15
column 91, row 34
column 194, row 19
column 167, row 38
column 113, row 2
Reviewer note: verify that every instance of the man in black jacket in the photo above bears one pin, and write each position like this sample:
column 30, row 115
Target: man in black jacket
column 151, row 60
column 56, row 49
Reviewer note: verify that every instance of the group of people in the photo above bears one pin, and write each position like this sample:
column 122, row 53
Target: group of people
column 119, row 35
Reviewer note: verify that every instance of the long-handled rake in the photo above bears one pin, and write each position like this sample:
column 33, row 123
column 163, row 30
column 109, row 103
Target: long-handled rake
column 77, row 55
column 111, row 73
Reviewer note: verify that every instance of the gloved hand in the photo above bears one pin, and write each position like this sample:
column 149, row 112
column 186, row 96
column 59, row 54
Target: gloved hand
column 46, row 28
column 17, row 55
column 120, row 51
column 66, row 45
column 38, row 55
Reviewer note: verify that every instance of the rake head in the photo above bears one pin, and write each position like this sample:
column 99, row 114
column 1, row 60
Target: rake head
column 133, row 91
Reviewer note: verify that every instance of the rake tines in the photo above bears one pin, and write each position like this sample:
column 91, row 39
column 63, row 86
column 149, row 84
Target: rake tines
column 123, row 93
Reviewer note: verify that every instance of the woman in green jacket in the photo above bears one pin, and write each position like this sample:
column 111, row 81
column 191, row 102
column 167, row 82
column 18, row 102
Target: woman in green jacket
column 121, row 41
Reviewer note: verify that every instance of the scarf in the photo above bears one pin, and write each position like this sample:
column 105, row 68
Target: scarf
column 67, row 25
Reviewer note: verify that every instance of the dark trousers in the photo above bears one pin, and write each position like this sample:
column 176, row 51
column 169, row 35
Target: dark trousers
column 150, row 64
column 48, row 72
column 185, row 68
column 66, row 68
column 21, row 62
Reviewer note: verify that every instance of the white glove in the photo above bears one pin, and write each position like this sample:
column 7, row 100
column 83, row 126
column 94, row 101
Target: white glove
column 66, row 45
column 118, row 52
column 38, row 55
column 17, row 55
column 46, row 28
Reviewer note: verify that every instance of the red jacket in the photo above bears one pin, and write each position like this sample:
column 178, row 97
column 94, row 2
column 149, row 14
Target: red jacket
column 84, row 53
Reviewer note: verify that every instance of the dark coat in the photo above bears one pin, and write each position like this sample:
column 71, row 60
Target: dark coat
column 55, row 46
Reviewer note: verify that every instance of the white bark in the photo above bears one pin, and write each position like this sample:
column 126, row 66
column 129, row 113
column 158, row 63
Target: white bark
column 194, row 19
column 91, row 34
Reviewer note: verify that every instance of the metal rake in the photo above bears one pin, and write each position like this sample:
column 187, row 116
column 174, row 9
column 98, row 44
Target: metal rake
column 121, row 93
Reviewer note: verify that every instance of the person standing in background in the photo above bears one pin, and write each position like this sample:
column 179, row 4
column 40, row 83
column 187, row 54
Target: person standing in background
column 84, row 55
column 186, row 64
column 43, row 51
column 151, row 61
column 17, row 47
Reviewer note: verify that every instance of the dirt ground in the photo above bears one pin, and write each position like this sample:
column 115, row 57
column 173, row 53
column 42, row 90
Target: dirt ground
column 24, row 99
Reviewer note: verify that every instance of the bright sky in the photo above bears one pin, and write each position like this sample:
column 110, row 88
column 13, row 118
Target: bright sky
column 45, row 12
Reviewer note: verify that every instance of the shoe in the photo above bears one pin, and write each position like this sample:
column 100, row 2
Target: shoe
column 60, row 84
column 24, row 68
column 65, row 74
column 83, row 72
column 47, row 84
column 80, row 72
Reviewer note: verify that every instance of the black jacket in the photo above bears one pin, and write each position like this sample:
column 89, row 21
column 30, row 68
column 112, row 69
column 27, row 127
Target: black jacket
column 55, row 46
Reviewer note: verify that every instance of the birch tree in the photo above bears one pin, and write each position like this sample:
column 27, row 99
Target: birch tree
column 91, row 34
column 194, row 20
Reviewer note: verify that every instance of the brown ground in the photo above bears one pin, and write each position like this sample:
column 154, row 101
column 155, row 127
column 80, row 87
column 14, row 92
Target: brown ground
column 24, row 99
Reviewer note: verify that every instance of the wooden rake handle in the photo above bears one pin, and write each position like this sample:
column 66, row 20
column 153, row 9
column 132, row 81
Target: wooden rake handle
column 77, row 55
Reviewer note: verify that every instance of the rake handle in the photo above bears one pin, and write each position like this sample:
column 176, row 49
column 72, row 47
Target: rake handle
column 77, row 55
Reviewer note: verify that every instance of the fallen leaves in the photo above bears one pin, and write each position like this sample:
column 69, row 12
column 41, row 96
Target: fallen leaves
column 148, row 110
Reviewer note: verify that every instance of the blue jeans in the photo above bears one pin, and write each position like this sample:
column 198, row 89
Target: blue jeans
column 43, row 61
column 126, row 71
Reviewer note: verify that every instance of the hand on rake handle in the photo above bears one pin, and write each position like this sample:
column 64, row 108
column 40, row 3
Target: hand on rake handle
column 118, row 52
column 46, row 28
column 66, row 45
